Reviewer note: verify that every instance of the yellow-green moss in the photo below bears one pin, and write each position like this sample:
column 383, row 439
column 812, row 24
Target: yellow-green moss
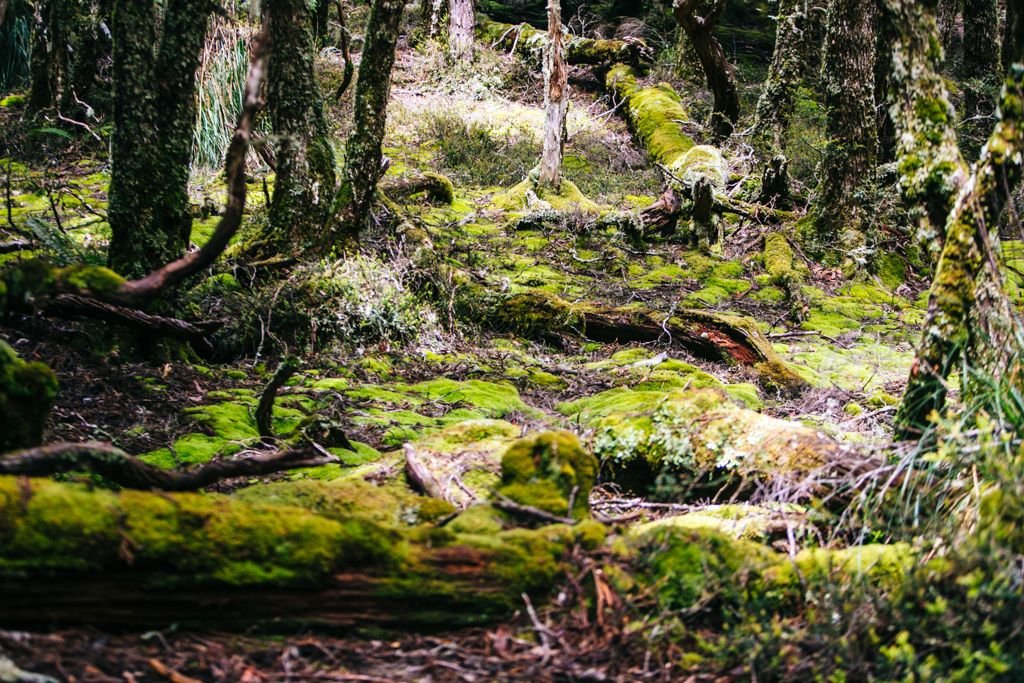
column 567, row 198
column 546, row 470
column 27, row 392
column 655, row 114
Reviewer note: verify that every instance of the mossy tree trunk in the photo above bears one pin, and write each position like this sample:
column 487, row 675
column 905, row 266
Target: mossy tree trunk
column 66, row 45
column 556, row 100
column 792, row 43
column 969, row 315
column 932, row 170
column 698, row 19
column 155, row 58
column 849, row 157
column 305, row 185
column 461, row 22
column 363, row 159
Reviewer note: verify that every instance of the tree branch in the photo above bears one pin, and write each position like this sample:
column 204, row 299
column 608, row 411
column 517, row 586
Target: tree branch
column 128, row 471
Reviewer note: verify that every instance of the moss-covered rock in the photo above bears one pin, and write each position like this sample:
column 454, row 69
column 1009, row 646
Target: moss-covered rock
column 550, row 471
column 691, row 434
column 27, row 392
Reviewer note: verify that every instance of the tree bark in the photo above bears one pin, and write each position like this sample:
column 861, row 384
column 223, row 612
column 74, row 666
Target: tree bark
column 305, row 185
column 719, row 72
column 556, row 100
column 981, row 39
column 932, row 169
column 66, row 47
column 363, row 159
column 461, row 22
column 969, row 314
column 849, row 156
column 1011, row 31
column 154, row 112
column 948, row 13
column 794, row 39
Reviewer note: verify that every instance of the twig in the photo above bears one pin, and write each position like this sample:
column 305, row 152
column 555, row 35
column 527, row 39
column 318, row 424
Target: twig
column 508, row 505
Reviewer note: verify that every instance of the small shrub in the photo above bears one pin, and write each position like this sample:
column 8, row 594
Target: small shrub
column 357, row 301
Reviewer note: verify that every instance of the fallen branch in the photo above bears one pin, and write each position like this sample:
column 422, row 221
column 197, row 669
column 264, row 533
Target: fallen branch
column 129, row 472
column 265, row 407
column 73, row 305
column 528, row 42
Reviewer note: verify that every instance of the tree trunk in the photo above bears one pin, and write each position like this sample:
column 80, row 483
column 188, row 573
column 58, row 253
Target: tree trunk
column 461, row 21
column 154, row 113
column 981, row 39
column 792, row 42
column 948, row 13
column 932, row 170
column 556, row 100
column 849, row 156
column 305, row 185
column 66, row 46
column 719, row 72
column 1010, row 48
column 363, row 159
column 969, row 314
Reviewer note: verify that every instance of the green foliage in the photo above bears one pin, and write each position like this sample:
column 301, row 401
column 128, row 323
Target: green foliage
column 474, row 155
column 357, row 301
column 15, row 49
column 27, row 391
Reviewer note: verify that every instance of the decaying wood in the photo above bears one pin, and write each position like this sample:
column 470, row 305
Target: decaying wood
column 129, row 472
column 74, row 306
column 265, row 407
column 528, row 42
column 435, row 186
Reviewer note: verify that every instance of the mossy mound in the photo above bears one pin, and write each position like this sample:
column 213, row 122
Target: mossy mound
column 550, row 471
column 694, row 434
column 527, row 195
column 742, row 521
column 654, row 114
column 27, row 392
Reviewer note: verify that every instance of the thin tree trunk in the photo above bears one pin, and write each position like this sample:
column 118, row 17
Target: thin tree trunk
column 719, row 72
column 792, row 42
column 981, row 39
column 305, row 186
column 461, row 22
column 849, row 157
column 154, row 112
column 556, row 95
column 1014, row 14
column 363, row 159
column 948, row 13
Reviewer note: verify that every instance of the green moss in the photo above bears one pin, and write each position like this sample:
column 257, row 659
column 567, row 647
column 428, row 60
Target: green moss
column 180, row 539
column 96, row 279
column 702, row 161
column 754, row 522
column 493, row 400
column 567, row 198
column 546, row 471
column 778, row 260
column 654, row 113
column 27, row 392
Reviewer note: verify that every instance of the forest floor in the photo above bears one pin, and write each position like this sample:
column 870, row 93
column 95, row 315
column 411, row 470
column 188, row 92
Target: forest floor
column 850, row 339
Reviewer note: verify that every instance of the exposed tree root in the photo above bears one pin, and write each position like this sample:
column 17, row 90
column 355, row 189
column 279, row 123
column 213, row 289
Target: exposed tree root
column 435, row 186
column 130, row 472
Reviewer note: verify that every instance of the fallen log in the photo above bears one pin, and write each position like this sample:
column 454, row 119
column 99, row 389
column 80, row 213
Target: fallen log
column 129, row 472
column 528, row 42
column 291, row 553
column 436, row 187
column 707, row 335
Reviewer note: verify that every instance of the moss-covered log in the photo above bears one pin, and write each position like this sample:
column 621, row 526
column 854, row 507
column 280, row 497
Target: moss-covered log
column 434, row 186
column 334, row 555
column 529, row 43
column 705, row 334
